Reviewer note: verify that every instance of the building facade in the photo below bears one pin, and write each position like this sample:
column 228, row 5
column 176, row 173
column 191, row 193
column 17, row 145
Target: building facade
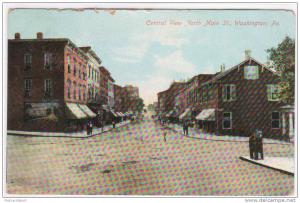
column 47, row 85
column 93, row 75
column 242, row 99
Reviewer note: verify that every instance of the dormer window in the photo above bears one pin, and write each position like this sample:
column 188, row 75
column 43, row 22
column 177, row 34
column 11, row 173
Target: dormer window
column 251, row 72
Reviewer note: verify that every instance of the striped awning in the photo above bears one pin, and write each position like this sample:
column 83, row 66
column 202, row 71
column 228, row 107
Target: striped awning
column 75, row 111
column 186, row 114
column 207, row 115
column 87, row 110
column 114, row 113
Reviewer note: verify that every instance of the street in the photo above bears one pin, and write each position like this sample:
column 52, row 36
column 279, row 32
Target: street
column 135, row 160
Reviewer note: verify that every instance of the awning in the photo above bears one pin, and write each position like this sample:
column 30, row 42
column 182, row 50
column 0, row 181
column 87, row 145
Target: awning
column 169, row 113
column 87, row 111
column 113, row 113
column 105, row 107
column 207, row 115
column 76, row 112
column 119, row 114
column 185, row 114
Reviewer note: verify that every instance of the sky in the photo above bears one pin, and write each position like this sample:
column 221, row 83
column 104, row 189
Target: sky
column 150, row 49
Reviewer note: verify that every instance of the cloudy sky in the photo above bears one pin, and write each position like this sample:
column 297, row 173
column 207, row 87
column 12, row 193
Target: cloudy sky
column 147, row 49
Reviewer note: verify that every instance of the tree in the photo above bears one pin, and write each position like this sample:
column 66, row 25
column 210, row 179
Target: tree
column 140, row 105
column 283, row 57
column 150, row 107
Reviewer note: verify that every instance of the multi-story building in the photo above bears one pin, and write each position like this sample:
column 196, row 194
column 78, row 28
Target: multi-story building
column 93, row 75
column 131, row 98
column 110, row 92
column 192, row 92
column 118, row 98
column 133, row 92
column 47, row 85
column 241, row 99
column 161, row 103
column 171, row 92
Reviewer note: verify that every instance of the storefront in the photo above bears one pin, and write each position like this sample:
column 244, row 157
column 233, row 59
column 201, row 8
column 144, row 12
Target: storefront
column 206, row 120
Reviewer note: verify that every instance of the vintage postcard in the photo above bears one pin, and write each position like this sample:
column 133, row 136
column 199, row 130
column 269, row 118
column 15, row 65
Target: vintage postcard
column 150, row 100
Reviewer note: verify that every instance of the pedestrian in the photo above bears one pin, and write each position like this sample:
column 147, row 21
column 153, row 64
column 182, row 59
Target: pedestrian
column 87, row 128
column 165, row 135
column 102, row 125
column 91, row 127
column 183, row 128
column 252, row 143
column 259, row 144
column 187, row 128
column 114, row 124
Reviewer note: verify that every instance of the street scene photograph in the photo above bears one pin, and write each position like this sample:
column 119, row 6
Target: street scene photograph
column 137, row 102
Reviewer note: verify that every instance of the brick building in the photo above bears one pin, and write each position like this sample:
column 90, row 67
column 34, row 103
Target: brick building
column 118, row 98
column 241, row 99
column 47, row 85
column 192, row 91
column 130, row 98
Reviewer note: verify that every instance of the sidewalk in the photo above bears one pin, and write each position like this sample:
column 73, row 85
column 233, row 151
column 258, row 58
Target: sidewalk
column 80, row 134
column 199, row 134
column 282, row 164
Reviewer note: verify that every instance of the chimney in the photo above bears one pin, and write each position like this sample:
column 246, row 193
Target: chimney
column 17, row 35
column 222, row 67
column 247, row 54
column 39, row 35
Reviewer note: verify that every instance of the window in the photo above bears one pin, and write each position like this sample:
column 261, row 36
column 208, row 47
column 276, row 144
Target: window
column 74, row 64
column 74, row 90
column 210, row 92
column 48, row 87
column 84, row 95
column 79, row 74
column 27, row 87
column 204, row 93
column 69, row 65
column 48, row 61
column 227, row 120
column 273, row 92
column 251, row 72
column 79, row 92
column 89, row 71
column 275, row 120
column 27, row 61
column 229, row 93
column 69, row 89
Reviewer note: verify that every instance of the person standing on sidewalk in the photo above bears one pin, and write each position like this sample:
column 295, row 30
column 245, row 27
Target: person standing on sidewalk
column 87, row 128
column 252, row 143
column 187, row 128
column 184, row 127
column 91, row 127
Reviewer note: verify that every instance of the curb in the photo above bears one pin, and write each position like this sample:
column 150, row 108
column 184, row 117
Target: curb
column 66, row 136
column 207, row 139
column 270, row 167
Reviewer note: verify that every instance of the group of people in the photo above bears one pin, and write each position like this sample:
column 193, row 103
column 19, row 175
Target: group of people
column 256, row 145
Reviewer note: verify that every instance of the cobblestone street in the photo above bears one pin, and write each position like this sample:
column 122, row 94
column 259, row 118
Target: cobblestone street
column 135, row 160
